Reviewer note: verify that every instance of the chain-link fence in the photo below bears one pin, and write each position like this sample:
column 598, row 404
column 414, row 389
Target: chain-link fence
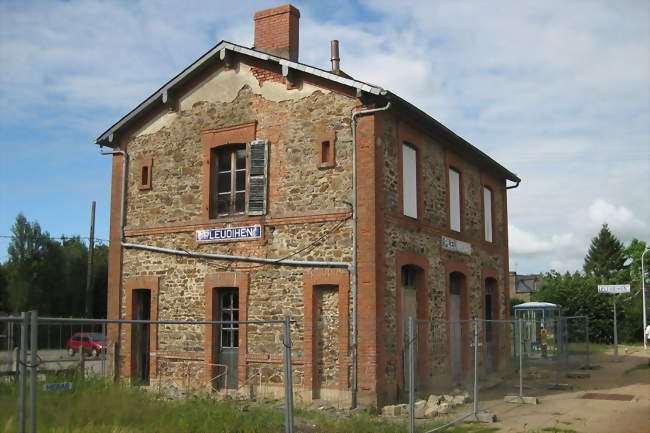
column 167, row 358
column 477, row 365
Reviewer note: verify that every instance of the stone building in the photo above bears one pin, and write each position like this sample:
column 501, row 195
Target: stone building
column 523, row 286
column 250, row 155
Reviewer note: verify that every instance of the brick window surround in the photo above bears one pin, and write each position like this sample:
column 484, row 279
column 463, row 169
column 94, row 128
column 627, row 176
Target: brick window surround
column 211, row 140
column 326, row 150
column 422, row 296
column 131, row 284
column 412, row 138
column 454, row 162
column 144, row 170
column 239, row 280
column 311, row 280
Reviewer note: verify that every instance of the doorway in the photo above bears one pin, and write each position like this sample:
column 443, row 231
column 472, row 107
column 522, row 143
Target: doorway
column 326, row 337
column 140, row 339
column 410, row 278
column 490, row 327
column 457, row 338
column 227, row 335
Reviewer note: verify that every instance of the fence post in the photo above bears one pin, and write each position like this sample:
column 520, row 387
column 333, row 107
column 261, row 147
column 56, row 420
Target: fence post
column 475, row 367
column 33, row 368
column 288, row 380
column 22, row 382
column 82, row 357
column 411, row 355
column 520, row 346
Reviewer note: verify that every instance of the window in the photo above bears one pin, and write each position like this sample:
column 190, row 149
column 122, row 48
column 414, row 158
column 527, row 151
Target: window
column 325, row 150
column 409, row 181
column 454, row 200
column 145, row 174
column 229, row 176
column 409, row 277
column 229, row 312
column 234, row 172
column 487, row 213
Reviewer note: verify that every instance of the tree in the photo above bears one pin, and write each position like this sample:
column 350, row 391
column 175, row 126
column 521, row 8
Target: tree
column 4, row 305
column 606, row 255
column 30, row 250
column 50, row 276
column 631, row 327
column 577, row 294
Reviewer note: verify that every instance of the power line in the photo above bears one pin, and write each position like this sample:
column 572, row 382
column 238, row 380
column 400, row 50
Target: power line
column 60, row 238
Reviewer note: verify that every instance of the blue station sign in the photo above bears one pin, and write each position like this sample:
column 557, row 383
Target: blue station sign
column 229, row 234
column 65, row 386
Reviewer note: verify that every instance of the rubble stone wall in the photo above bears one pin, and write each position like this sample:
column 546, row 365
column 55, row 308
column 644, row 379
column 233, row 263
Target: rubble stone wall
column 423, row 237
column 306, row 203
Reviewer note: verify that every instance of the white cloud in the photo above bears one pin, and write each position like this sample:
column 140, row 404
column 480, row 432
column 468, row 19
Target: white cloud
column 565, row 251
column 525, row 243
column 556, row 91
column 620, row 219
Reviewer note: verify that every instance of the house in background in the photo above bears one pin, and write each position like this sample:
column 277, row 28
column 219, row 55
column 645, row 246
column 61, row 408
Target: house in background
column 356, row 208
column 523, row 286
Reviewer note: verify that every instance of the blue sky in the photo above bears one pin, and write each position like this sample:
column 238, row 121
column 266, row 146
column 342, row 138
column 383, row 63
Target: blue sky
column 556, row 91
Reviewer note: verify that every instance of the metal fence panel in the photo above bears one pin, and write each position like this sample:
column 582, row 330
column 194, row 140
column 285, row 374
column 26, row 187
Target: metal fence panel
column 170, row 358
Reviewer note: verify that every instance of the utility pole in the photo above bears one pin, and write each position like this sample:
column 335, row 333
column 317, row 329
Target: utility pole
column 645, row 321
column 89, row 273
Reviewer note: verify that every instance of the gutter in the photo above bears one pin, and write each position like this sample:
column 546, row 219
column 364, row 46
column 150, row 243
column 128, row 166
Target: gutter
column 515, row 185
column 353, row 266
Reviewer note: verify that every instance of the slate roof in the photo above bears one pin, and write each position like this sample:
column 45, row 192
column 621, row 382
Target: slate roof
column 224, row 47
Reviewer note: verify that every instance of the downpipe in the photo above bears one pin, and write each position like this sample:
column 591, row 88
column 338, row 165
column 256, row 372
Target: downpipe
column 353, row 265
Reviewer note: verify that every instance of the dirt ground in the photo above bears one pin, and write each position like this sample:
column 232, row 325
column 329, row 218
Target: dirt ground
column 568, row 411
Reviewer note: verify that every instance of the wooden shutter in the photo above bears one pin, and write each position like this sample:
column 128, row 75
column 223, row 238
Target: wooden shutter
column 258, row 156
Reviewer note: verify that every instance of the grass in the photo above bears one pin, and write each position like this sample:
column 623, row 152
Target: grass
column 581, row 348
column 99, row 406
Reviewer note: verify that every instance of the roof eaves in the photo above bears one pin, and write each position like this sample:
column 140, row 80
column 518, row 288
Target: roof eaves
column 455, row 137
column 225, row 45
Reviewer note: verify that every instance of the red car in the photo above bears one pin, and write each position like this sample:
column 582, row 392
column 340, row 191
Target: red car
column 92, row 343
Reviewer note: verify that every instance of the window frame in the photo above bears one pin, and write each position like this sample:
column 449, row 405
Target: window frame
column 488, row 214
column 144, row 179
column 459, row 195
column 214, row 139
column 326, row 150
column 413, row 182
column 232, row 150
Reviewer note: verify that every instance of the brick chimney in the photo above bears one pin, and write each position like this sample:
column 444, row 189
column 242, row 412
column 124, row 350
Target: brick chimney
column 276, row 31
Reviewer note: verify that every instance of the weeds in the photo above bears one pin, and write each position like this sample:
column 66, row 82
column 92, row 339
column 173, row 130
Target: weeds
column 99, row 406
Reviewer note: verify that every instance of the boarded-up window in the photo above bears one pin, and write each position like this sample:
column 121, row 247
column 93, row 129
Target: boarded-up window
column 454, row 200
column 409, row 181
column 487, row 213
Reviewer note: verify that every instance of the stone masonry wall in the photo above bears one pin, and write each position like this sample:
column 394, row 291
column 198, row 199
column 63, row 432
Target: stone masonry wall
column 423, row 238
column 293, row 121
